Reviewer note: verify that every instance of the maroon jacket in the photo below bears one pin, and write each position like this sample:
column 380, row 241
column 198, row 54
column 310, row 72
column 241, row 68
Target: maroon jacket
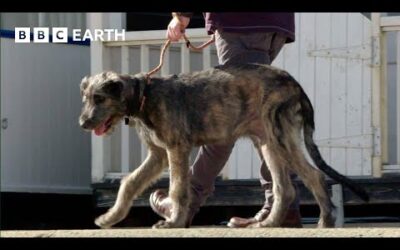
column 251, row 22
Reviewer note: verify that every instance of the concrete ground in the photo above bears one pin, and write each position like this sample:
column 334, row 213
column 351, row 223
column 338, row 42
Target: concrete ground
column 350, row 230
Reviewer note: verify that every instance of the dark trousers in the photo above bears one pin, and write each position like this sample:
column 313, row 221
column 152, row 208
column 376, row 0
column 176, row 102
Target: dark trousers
column 234, row 48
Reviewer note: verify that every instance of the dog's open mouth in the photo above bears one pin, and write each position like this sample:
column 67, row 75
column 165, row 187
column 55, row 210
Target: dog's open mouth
column 104, row 127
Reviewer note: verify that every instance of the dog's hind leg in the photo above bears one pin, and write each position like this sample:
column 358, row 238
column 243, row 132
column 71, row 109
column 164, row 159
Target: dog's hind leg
column 178, row 159
column 314, row 180
column 133, row 185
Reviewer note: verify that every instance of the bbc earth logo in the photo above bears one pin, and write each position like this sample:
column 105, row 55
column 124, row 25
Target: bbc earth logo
column 60, row 35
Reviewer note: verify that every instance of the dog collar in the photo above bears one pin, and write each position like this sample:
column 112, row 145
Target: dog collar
column 132, row 100
column 135, row 102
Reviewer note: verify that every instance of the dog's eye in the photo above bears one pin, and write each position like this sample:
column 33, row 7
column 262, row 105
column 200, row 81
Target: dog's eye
column 98, row 99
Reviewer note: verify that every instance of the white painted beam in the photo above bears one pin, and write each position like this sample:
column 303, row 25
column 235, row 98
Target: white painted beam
column 376, row 89
column 101, row 146
column 185, row 59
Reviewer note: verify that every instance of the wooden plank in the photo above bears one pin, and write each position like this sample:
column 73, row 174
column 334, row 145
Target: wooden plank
column 366, row 99
column 354, row 98
column 384, row 100
column 144, row 58
column 388, row 21
column 322, row 82
column 376, row 90
column 307, row 38
column 250, row 193
column 101, row 146
column 185, row 59
column 207, row 58
column 338, row 90
column 165, row 68
column 306, row 35
column 391, row 28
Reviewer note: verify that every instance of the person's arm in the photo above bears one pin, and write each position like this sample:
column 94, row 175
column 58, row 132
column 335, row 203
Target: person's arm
column 178, row 24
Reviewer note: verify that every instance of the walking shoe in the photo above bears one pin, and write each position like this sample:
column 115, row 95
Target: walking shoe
column 293, row 219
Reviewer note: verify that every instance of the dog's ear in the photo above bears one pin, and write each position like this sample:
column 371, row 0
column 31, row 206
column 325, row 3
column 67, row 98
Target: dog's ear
column 84, row 84
column 113, row 89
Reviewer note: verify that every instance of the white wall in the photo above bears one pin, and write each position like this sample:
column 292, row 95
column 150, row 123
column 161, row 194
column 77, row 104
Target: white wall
column 43, row 149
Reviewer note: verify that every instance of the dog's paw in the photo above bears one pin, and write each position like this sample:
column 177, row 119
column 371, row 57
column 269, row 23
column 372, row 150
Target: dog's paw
column 167, row 224
column 101, row 221
column 265, row 223
column 326, row 224
column 254, row 225
column 161, row 224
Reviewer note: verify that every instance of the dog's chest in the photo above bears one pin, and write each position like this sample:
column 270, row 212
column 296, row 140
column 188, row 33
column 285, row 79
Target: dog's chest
column 146, row 134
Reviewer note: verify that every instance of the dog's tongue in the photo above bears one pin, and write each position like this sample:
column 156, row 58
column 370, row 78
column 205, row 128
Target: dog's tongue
column 101, row 129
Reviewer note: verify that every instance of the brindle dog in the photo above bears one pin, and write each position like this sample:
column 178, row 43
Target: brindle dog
column 218, row 105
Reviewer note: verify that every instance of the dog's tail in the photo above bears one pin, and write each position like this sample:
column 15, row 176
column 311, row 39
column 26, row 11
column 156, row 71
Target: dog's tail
column 309, row 127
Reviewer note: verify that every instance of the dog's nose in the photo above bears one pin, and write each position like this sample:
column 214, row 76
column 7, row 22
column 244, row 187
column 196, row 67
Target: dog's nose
column 85, row 124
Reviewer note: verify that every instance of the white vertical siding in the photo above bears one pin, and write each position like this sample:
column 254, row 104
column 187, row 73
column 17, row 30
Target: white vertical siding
column 43, row 149
column 366, row 100
column 338, row 87
column 338, row 92
column 354, row 99
column 322, row 81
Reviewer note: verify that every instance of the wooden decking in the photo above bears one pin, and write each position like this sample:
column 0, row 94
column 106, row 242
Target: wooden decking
column 385, row 190
column 353, row 231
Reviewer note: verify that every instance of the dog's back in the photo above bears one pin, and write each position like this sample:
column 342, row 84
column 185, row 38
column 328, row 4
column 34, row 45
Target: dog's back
column 222, row 103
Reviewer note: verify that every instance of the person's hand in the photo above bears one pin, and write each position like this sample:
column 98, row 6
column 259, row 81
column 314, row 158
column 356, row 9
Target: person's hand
column 177, row 27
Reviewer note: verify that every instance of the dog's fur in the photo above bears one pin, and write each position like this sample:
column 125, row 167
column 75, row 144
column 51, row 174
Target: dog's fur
column 213, row 106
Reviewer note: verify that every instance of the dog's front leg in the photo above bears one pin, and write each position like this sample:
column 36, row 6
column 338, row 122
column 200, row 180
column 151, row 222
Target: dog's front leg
column 178, row 159
column 133, row 185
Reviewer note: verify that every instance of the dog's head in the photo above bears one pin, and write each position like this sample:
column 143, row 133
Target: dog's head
column 104, row 102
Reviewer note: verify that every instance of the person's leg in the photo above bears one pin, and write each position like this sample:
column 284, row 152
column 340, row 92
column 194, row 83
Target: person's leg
column 243, row 48
column 276, row 42
column 209, row 162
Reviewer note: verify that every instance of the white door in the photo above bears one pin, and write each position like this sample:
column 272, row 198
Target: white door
column 331, row 60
